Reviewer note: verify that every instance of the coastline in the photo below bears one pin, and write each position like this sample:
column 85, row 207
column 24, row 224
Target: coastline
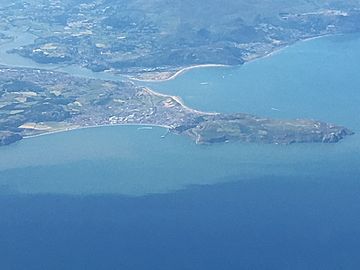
column 178, row 73
column 255, row 58
column 281, row 48
column 180, row 101
column 176, row 98
column 172, row 74
column 94, row 126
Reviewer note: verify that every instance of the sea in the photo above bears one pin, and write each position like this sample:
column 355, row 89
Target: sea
column 128, row 197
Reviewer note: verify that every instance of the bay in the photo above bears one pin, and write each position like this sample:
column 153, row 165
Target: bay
column 125, row 198
column 312, row 79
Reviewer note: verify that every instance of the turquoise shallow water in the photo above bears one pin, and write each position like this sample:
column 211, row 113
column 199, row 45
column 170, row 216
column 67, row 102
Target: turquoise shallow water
column 124, row 198
column 129, row 161
column 314, row 79
column 311, row 79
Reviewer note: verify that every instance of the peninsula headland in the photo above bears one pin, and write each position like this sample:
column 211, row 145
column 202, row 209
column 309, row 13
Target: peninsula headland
column 152, row 40
column 35, row 102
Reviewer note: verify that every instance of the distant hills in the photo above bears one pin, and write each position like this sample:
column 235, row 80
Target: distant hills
column 136, row 36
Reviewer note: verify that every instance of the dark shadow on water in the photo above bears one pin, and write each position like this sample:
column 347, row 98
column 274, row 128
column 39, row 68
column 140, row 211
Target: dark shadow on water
column 255, row 224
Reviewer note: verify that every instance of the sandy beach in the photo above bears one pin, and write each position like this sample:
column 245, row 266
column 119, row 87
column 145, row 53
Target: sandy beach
column 176, row 98
column 178, row 73
column 93, row 126
column 174, row 75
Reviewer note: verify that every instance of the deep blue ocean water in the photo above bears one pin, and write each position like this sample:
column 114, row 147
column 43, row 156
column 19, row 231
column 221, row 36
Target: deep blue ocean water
column 271, row 223
column 123, row 198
